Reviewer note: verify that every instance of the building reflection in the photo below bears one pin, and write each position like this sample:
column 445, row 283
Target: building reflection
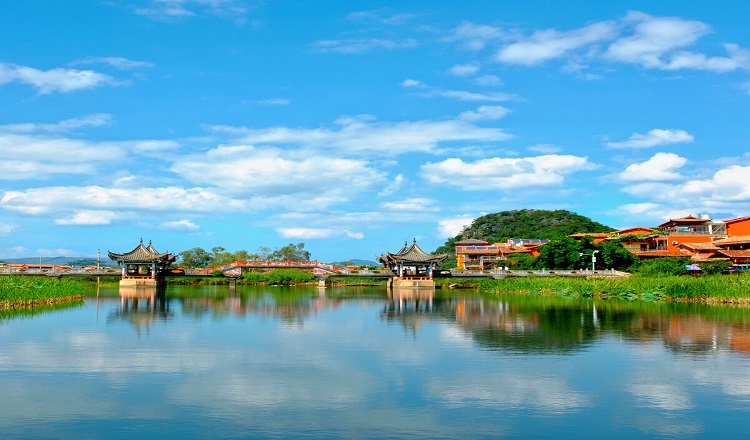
column 142, row 306
column 523, row 324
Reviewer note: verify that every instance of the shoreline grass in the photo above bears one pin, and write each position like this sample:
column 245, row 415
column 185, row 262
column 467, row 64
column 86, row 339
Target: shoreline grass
column 708, row 289
column 23, row 292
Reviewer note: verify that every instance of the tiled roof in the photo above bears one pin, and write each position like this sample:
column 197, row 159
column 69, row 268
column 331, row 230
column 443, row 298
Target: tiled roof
column 740, row 239
column 412, row 254
column 735, row 254
column 700, row 246
column 143, row 254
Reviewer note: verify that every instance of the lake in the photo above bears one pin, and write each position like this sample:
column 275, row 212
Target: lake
column 274, row 362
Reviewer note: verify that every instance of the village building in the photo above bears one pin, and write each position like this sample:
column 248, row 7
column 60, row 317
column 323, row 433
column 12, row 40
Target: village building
column 480, row 255
column 736, row 249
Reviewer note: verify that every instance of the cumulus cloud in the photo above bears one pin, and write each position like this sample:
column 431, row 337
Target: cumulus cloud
column 453, row 226
column 99, row 205
column 726, row 190
column 549, row 44
column 654, row 138
column 87, row 217
column 246, row 169
column 316, row 233
column 356, row 135
column 660, row 167
column 505, row 173
column 58, row 80
column 638, row 38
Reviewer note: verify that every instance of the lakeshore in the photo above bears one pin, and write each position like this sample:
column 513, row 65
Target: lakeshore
column 19, row 292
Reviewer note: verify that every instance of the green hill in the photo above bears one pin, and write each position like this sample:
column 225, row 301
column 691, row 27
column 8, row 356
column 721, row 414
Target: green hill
column 524, row 223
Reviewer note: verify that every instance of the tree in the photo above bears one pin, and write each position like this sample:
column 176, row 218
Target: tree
column 614, row 256
column 195, row 257
column 290, row 252
column 560, row 254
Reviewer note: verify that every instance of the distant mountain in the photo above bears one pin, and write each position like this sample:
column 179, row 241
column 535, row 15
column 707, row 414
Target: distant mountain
column 524, row 223
column 57, row 261
column 358, row 262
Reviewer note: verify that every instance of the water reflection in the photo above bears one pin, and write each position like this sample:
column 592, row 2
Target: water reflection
column 142, row 306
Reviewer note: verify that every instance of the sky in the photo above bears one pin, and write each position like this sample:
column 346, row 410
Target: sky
column 353, row 127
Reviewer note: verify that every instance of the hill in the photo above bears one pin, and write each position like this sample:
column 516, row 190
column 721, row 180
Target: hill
column 524, row 223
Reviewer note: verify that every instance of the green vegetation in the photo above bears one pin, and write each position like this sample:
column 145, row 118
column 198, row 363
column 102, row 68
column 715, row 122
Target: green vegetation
column 275, row 277
column 199, row 257
column 705, row 289
column 23, row 291
column 524, row 223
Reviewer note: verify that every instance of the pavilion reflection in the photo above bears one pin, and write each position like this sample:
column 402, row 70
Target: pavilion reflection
column 142, row 306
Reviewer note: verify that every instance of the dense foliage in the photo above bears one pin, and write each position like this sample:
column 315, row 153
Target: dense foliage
column 199, row 257
column 524, row 223
column 30, row 291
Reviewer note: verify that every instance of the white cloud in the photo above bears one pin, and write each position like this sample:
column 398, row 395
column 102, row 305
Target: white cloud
column 95, row 120
column 99, row 205
column 274, row 101
column 654, row 138
column 7, row 229
column 414, row 204
column 727, row 190
column 505, row 173
column 362, row 45
column 317, row 233
column 87, row 217
column 451, row 227
column 488, row 81
column 549, row 44
column 363, row 135
column 658, row 42
column 392, row 186
column 485, row 113
column 176, row 9
column 117, row 62
column 180, row 225
column 412, row 83
column 660, row 167
column 545, row 148
column 268, row 173
column 475, row 36
column 53, row 80
column 464, row 69
column 463, row 95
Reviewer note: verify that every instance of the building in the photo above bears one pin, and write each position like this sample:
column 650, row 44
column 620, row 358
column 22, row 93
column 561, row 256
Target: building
column 480, row 255
column 412, row 265
column 143, row 265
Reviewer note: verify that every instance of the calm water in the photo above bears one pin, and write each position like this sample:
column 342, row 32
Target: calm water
column 352, row 363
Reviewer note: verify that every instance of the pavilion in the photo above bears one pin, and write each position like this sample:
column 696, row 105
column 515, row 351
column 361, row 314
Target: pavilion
column 143, row 265
column 412, row 265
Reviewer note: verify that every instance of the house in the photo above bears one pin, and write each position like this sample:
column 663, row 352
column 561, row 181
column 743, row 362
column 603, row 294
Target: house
column 690, row 229
column 736, row 249
column 479, row 254
column 738, row 226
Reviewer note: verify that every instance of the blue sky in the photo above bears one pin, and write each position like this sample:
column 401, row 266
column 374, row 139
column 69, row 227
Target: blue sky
column 356, row 126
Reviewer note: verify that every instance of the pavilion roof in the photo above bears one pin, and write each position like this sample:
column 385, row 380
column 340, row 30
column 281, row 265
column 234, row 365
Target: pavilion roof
column 143, row 254
column 411, row 254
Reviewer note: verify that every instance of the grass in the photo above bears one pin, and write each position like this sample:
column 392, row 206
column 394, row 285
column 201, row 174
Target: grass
column 27, row 291
column 704, row 289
